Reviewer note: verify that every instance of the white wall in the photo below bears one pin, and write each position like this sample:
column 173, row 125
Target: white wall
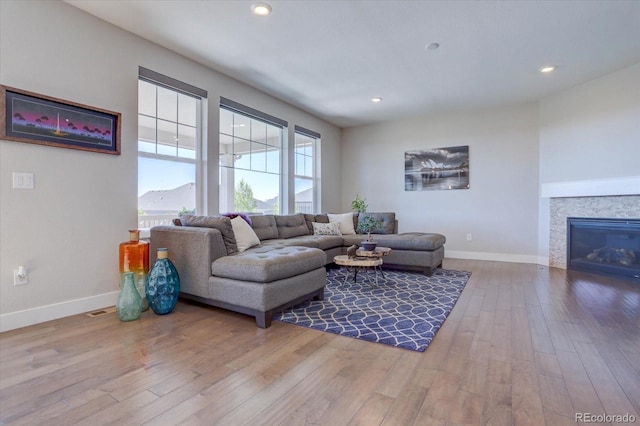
column 66, row 231
column 592, row 131
column 500, row 209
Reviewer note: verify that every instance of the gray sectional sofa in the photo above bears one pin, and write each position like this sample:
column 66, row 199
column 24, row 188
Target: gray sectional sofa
column 286, row 268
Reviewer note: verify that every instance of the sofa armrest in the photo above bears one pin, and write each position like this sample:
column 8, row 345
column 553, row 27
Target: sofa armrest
column 192, row 250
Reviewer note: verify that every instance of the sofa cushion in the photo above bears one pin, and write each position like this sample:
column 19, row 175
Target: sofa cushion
column 346, row 222
column 326, row 228
column 221, row 223
column 292, row 225
column 245, row 236
column 311, row 218
column 323, row 242
column 269, row 263
column 418, row 241
column 387, row 222
column 264, row 226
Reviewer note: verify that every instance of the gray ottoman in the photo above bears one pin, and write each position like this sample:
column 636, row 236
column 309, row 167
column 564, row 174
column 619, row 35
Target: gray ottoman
column 417, row 251
column 268, row 279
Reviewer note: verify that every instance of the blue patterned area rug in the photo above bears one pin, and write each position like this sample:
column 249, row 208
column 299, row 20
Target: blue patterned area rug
column 405, row 309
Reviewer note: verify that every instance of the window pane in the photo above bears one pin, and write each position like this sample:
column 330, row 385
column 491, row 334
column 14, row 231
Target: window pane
column 258, row 157
column 299, row 164
column 274, row 135
column 262, row 188
column 167, row 138
column 273, row 160
column 165, row 188
column 226, row 122
column 304, row 195
column 308, row 166
column 146, row 98
column 147, row 133
column 258, row 131
column 167, row 104
column 186, row 141
column 187, row 110
column 241, row 126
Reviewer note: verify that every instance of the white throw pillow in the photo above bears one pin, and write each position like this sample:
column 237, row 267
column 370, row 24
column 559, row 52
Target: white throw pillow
column 345, row 221
column 245, row 235
column 326, row 228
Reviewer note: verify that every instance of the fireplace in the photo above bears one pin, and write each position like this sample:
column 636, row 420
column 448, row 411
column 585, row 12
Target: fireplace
column 609, row 246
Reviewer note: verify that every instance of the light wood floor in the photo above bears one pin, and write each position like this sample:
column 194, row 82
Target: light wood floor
column 524, row 345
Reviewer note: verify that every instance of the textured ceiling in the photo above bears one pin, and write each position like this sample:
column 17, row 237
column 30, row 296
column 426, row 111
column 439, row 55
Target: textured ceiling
column 331, row 57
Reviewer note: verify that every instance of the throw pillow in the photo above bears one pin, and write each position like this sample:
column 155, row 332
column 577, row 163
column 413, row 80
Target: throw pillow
column 345, row 221
column 326, row 228
column 245, row 236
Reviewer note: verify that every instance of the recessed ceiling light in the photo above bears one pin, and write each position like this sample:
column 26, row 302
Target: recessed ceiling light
column 261, row 9
column 376, row 99
column 548, row 68
column 433, row 46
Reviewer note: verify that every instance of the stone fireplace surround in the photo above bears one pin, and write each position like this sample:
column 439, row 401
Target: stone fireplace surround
column 619, row 206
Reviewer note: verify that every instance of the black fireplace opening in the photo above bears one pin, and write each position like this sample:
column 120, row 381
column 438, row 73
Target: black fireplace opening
column 609, row 246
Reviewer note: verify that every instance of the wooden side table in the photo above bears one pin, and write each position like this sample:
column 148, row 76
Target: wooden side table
column 377, row 252
column 357, row 263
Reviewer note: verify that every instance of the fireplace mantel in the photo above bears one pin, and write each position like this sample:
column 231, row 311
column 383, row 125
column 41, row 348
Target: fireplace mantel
column 592, row 188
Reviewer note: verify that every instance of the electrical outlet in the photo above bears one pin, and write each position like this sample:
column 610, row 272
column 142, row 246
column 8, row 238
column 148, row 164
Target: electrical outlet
column 469, row 237
column 19, row 279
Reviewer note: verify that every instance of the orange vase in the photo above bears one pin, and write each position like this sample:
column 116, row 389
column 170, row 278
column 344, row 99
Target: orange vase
column 134, row 257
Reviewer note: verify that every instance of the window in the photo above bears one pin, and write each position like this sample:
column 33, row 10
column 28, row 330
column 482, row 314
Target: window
column 169, row 153
column 305, row 150
column 250, row 159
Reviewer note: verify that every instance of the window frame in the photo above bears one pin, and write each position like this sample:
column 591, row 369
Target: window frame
column 180, row 88
column 269, row 120
column 315, row 136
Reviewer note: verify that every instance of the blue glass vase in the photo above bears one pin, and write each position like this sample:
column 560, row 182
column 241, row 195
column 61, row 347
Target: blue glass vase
column 163, row 286
column 129, row 305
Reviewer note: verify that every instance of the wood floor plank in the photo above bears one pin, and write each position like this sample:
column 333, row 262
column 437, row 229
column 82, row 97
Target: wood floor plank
column 524, row 345
column 405, row 406
column 582, row 394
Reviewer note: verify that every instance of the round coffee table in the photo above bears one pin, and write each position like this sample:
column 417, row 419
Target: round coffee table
column 363, row 260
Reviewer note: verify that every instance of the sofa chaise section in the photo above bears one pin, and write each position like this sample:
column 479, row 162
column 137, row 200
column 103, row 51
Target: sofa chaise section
column 258, row 282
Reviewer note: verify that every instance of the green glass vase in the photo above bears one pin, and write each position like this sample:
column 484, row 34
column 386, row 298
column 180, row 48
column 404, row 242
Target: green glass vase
column 129, row 306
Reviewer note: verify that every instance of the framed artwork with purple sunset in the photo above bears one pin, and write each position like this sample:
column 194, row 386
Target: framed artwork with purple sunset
column 37, row 119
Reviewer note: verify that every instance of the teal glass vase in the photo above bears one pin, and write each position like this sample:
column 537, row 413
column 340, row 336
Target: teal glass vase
column 129, row 305
column 163, row 285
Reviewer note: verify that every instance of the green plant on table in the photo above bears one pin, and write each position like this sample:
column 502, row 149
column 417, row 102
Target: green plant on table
column 368, row 224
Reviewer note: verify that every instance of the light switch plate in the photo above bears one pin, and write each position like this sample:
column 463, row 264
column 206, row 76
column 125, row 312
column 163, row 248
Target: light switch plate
column 22, row 180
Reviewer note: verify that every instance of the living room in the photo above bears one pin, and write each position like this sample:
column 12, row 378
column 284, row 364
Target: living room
column 583, row 138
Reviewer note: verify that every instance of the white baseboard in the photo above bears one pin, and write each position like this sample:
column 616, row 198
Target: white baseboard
column 40, row 314
column 497, row 257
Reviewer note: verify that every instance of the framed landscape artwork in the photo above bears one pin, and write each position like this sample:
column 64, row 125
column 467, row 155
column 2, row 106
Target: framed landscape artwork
column 439, row 168
column 43, row 120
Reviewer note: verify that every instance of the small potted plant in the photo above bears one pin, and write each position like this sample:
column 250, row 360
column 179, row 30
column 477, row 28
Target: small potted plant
column 365, row 226
column 359, row 204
